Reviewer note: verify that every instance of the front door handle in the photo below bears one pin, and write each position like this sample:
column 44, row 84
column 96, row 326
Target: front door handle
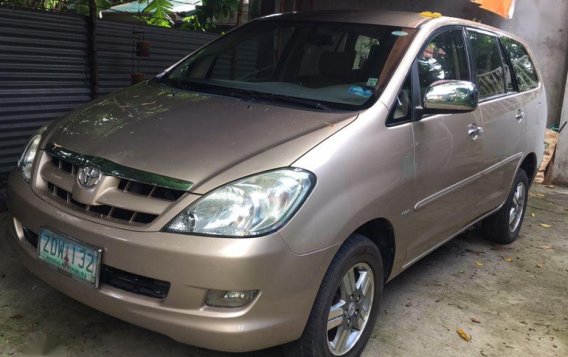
column 474, row 131
column 520, row 115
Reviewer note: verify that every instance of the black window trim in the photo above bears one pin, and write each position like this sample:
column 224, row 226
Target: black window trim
column 391, row 122
column 507, row 60
column 468, row 56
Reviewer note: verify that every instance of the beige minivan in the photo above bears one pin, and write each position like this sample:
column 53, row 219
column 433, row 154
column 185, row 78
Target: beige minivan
column 262, row 190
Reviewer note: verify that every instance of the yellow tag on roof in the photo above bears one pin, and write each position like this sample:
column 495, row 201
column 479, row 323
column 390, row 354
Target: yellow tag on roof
column 433, row 15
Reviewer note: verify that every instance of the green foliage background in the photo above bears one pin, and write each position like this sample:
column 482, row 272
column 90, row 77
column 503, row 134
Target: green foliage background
column 157, row 12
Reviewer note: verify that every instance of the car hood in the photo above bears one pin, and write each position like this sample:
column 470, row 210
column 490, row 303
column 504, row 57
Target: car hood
column 206, row 139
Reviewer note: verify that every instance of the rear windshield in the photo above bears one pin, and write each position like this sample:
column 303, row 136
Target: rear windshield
column 335, row 65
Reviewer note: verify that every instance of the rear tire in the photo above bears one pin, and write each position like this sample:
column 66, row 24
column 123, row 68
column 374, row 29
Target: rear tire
column 346, row 307
column 503, row 226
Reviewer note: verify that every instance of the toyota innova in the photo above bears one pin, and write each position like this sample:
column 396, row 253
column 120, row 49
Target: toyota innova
column 262, row 190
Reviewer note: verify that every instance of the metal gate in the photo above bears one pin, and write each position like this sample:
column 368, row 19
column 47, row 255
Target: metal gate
column 43, row 74
column 44, row 67
column 116, row 44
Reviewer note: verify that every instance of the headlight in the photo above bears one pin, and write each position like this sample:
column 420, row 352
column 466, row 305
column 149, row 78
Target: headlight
column 27, row 159
column 246, row 208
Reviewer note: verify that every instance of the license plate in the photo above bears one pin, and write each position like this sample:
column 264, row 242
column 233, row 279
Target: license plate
column 70, row 256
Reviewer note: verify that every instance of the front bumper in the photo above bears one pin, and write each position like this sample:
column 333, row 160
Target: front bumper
column 288, row 283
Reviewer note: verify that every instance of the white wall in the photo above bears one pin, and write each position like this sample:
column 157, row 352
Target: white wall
column 560, row 169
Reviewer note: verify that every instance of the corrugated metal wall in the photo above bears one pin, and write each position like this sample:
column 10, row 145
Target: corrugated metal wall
column 43, row 74
column 44, row 67
column 116, row 42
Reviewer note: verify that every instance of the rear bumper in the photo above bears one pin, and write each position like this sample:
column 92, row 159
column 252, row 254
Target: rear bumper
column 288, row 283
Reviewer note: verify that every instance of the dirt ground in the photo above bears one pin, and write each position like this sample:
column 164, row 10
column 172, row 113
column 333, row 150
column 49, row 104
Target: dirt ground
column 512, row 300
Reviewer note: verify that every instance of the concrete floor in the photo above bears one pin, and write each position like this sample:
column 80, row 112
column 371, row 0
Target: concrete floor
column 518, row 294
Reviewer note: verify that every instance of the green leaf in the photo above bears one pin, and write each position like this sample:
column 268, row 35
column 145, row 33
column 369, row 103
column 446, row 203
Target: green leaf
column 158, row 12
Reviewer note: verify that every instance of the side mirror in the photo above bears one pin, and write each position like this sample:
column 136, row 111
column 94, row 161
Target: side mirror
column 445, row 97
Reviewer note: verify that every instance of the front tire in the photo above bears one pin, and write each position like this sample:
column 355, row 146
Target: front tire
column 503, row 226
column 347, row 304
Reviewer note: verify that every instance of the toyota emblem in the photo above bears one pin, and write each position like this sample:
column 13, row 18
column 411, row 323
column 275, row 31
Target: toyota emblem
column 89, row 176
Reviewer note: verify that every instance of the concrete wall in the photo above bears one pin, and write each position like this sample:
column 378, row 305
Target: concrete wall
column 560, row 169
column 542, row 23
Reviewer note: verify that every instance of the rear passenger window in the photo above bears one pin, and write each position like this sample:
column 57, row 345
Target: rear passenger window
column 525, row 72
column 490, row 71
column 443, row 58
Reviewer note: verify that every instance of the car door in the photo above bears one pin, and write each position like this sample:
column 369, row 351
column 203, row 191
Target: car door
column 531, row 92
column 448, row 152
column 503, row 114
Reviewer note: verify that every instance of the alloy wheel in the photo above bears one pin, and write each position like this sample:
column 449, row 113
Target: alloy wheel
column 517, row 207
column 350, row 309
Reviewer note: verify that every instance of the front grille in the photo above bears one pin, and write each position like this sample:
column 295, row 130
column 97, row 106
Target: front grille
column 120, row 279
column 127, row 207
column 133, row 283
column 31, row 237
column 102, row 211
column 64, row 165
column 149, row 190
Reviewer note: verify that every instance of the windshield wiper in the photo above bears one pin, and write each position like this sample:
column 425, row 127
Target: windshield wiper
column 197, row 86
column 243, row 93
column 168, row 81
column 252, row 94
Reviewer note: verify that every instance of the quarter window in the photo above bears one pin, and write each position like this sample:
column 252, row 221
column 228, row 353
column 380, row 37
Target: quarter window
column 490, row 71
column 523, row 66
column 401, row 108
column 443, row 58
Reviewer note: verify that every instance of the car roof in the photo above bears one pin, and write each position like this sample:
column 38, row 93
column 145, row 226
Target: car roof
column 388, row 18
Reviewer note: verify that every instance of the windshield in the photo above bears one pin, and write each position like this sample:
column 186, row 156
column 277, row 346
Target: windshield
column 324, row 65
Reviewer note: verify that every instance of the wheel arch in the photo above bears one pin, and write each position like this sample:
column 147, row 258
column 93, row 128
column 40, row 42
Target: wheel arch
column 380, row 231
column 529, row 165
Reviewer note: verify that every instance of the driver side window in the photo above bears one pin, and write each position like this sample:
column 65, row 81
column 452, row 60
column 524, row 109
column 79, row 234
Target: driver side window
column 443, row 58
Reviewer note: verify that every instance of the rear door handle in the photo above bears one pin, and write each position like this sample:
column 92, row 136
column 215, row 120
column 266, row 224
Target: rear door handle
column 474, row 131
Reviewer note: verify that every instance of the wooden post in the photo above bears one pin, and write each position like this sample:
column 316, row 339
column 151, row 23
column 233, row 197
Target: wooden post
column 92, row 32
column 240, row 12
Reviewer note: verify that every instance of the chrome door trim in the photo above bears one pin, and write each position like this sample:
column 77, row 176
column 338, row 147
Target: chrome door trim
column 426, row 201
column 405, row 266
column 473, row 222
